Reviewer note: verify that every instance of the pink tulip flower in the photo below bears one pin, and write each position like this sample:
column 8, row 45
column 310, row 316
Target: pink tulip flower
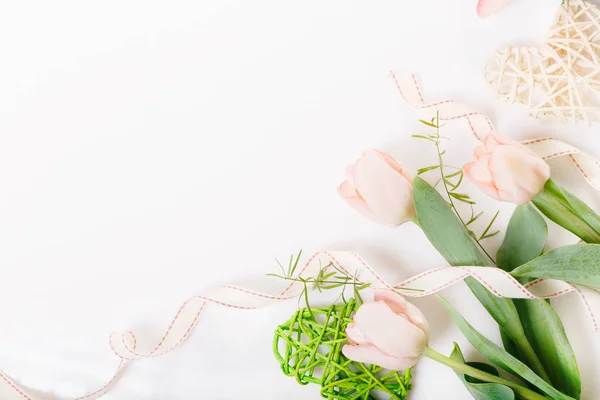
column 379, row 188
column 507, row 170
column 485, row 8
column 389, row 332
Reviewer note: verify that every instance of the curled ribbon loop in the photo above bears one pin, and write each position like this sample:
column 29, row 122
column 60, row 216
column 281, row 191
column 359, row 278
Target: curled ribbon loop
column 497, row 281
column 481, row 126
column 250, row 295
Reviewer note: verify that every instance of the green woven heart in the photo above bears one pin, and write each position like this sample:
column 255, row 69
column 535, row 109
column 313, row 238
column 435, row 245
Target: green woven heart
column 309, row 347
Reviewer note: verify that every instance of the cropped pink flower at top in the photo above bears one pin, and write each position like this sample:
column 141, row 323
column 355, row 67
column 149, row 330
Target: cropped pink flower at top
column 507, row 170
column 389, row 332
column 379, row 188
column 487, row 7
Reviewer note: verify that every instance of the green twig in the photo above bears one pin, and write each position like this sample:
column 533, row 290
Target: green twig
column 450, row 187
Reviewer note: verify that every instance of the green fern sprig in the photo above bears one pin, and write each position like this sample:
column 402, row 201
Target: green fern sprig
column 451, row 183
column 326, row 279
column 329, row 277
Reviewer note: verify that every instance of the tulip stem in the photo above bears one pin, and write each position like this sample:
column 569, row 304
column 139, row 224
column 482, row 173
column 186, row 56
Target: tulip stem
column 520, row 390
column 553, row 204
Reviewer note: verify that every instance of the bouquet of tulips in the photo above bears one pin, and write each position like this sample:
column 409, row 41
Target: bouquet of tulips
column 382, row 337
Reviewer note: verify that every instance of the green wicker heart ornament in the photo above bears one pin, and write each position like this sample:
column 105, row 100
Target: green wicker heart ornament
column 309, row 347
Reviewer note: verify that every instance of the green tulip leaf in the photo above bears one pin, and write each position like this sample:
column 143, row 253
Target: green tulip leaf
column 501, row 357
column 524, row 241
column 448, row 235
column 442, row 227
column 569, row 212
column 478, row 389
column 452, row 240
column 580, row 208
column 547, row 335
column 525, row 238
column 576, row 263
column 510, row 346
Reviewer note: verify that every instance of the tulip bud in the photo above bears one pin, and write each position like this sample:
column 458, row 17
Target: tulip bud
column 389, row 332
column 379, row 187
column 507, row 170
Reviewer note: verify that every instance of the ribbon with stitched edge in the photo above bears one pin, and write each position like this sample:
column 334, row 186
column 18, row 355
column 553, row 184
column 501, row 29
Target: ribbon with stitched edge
column 259, row 294
column 251, row 295
column 481, row 126
column 497, row 281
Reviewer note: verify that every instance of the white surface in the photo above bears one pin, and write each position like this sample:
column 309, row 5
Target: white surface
column 150, row 150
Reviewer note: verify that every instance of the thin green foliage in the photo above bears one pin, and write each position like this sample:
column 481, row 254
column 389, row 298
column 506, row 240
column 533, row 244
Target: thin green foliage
column 329, row 277
column 451, row 183
column 485, row 233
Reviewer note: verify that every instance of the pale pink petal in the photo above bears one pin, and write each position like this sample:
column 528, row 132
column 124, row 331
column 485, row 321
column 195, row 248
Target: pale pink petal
column 520, row 197
column 355, row 200
column 350, row 174
column 478, row 172
column 479, row 151
column 491, row 142
column 395, row 165
column 410, row 177
column 354, row 334
column 518, row 175
column 543, row 170
column 505, row 168
column 359, row 205
column 399, row 305
column 475, row 170
column 490, row 191
column 416, row 317
column 508, row 170
column 510, row 142
column 395, row 302
column 372, row 355
column 496, row 139
column 485, row 8
column 347, row 190
column 388, row 194
column 393, row 334
column 532, row 182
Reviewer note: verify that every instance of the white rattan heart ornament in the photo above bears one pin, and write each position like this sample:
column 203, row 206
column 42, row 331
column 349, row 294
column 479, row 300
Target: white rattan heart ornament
column 561, row 79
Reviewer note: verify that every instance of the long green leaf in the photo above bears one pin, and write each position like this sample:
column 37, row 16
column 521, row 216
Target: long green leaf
column 442, row 228
column 568, row 211
column 570, row 200
column 547, row 335
column 452, row 240
column 501, row 357
column 576, row 263
column 482, row 390
column 582, row 209
column 510, row 346
column 525, row 239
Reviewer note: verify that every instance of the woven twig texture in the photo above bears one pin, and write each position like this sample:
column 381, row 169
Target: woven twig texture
column 309, row 348
column 561, row 79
